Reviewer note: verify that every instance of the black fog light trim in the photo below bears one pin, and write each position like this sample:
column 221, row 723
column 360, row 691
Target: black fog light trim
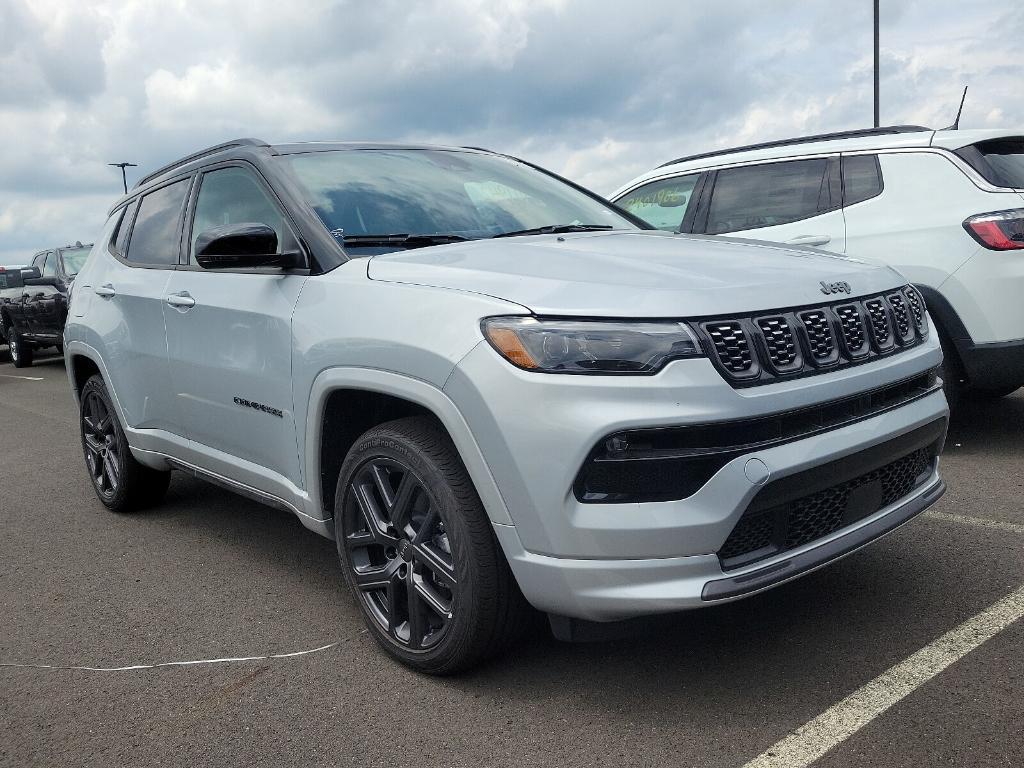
column 672, row 463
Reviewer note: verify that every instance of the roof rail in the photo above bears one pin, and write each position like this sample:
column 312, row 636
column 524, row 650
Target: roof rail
column 860, row 133
column 196, row 155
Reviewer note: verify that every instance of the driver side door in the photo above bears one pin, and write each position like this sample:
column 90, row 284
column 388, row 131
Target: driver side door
column 229, row 340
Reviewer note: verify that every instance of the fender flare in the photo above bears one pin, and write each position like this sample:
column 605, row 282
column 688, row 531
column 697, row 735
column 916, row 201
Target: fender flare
column 946, row 317
column 81, row 349
column 414, row 390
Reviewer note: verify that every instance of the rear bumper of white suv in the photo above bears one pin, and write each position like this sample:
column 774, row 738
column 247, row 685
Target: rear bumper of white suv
column 606, row 561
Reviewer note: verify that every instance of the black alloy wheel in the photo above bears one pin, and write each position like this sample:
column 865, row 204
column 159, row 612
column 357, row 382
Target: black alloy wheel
column 102, row 451
column 399, row 553
column 418, row 551
column 120, row 481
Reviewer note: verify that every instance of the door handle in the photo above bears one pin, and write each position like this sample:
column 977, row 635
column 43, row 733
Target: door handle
column 181, row 300
column 810, row 240
column 106, row 291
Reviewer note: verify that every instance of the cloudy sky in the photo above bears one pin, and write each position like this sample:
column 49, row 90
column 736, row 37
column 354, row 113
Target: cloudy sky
column 599, row 90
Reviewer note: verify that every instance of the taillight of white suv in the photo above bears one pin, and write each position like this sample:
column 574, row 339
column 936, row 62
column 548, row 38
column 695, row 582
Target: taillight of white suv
column 998, row 231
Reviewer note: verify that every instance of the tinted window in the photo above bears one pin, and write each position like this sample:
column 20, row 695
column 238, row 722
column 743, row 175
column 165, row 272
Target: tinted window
column 154, row 238
column 765, row 195
column 861, row 178
column 234, row 196
column 662, row 204
column 37, row 261
column 124, row 228
column 50, row 265
column 1001, row 161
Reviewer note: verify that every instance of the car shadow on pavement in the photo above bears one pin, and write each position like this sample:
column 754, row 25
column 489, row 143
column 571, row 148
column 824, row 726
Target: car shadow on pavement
column 990, row 425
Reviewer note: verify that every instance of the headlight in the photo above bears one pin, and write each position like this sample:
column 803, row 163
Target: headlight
column 589, row 346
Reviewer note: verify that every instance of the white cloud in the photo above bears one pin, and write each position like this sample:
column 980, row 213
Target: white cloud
column 598, row 90
column 226, row 98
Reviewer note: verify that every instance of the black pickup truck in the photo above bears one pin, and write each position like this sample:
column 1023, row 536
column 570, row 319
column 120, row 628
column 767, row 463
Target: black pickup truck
column 34, row 301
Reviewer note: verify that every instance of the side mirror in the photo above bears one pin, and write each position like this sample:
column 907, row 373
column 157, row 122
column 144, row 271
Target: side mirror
column 248, row 244
column 29, row 273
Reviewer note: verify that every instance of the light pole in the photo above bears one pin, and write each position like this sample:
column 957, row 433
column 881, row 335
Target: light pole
column 877, row 122
column 122, row 166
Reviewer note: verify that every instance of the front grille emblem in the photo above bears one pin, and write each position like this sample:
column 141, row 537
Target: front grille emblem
column 838, row 287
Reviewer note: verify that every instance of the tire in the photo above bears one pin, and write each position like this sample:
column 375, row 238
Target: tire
column 418, row 552
column 120, row 482
column 20, row 350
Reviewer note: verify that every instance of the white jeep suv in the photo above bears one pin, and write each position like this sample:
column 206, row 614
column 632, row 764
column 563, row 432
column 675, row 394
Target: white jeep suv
column 945, row 208
column 486, row 383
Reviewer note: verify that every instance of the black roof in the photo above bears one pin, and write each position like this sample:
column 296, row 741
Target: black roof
column 197, row 155
column 860, row 133
column 287, row 148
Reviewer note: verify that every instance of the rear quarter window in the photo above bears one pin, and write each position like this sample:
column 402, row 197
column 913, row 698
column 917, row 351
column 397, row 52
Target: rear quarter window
column 999, row 161
column 123, row 228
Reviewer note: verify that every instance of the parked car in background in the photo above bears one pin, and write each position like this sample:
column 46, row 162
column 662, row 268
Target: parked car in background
column 945, row 208
column 10, row 289
column 486, row 383
column 12, row 280
column 32, row 316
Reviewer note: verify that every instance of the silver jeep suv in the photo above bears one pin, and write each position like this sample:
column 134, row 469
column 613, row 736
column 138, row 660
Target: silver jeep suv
column 496, row 390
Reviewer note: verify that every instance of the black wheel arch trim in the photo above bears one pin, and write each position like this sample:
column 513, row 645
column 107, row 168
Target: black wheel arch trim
column 986, row 366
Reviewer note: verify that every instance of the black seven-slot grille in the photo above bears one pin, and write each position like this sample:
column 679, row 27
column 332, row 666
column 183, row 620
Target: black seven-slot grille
column 731, row 345
column 803, row 341
column 806, row 507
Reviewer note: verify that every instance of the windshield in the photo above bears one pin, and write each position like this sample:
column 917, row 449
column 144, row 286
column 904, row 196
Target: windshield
column 74, row 260
column 360, row 193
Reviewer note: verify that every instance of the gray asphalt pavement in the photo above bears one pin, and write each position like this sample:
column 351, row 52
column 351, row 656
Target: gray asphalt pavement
column 211, row 575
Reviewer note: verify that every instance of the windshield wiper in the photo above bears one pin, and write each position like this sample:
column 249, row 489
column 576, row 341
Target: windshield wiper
column 554, row 229
column 399, row 239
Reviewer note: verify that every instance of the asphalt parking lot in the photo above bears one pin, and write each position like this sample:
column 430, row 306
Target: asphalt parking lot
column 211, row 575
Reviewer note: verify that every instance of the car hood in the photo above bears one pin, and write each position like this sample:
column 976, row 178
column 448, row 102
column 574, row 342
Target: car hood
column 635, row 274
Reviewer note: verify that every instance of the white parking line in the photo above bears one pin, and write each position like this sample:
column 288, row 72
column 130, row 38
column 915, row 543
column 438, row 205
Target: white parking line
column 25, row 378
column 981, row 522
column 133, row 667
column 809, row 742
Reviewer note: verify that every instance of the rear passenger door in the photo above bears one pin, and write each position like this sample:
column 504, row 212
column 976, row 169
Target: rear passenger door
column 798, row 202
column 126, row 308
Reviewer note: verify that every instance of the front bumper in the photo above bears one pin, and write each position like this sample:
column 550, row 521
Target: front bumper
column 604, row 562
column 610, row 590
